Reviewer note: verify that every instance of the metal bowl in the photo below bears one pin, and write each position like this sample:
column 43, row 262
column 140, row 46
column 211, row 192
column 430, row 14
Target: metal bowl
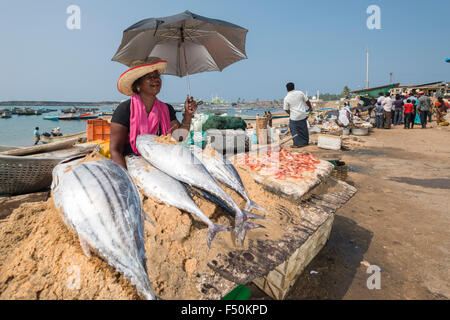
column 360, row 131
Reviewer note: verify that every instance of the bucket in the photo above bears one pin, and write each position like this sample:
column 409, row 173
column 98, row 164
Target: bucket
column 340, row 170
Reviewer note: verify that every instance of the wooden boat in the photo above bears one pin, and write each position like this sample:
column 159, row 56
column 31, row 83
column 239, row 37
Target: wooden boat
column 274, row 116
column 28, row 112
column 89, row 116
column 5, row 114
column 53, row 117
column 58, row 145
column 81, row 135
column 69, row 116
column 6, row 148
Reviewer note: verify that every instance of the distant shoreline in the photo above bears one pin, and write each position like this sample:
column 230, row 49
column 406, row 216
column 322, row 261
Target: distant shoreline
column 57, row 103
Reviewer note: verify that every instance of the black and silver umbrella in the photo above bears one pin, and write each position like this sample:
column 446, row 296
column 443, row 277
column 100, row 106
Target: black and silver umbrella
column 190, row 43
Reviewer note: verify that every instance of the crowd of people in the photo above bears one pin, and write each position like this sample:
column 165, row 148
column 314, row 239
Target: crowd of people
column 407, row 110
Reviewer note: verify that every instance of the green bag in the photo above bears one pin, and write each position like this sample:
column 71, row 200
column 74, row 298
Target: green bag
column 222, row 123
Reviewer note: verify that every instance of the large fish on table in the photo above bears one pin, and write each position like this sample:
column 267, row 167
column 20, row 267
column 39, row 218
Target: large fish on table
column 157, row 184
column 226, row 173
column 179, row 162
column 100, row 202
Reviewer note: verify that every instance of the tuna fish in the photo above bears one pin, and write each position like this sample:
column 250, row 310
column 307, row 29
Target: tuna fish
column 180, row 163
column 100, row 202
column 225, row 172
column 156, row 184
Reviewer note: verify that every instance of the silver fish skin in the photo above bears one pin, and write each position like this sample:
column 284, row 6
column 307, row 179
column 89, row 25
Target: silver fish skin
column 100, row 202
column 156, row 184
column 226, row 173
column 180, row 163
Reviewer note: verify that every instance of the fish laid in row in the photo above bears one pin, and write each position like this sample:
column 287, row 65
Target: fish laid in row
column 225, row 172
column 100, row 202
column 179, row 162
column 156, row 184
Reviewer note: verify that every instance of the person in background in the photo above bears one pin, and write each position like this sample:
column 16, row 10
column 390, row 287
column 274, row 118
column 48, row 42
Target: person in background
column 295, row 104
column 379, row 120
column 408, row 111
column 387, row 106
column 269, row 116
column 413, row 100
column 37, row 136
column 398, row 110
column 423, row 105
column 345, row 117
column 432, row 109
column 371, row 106
column 380, row 98
column 440, row 109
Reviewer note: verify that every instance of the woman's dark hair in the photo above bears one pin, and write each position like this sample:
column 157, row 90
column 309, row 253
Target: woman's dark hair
column 290, row 86
column 409, row 101
column 135, row 85
column 37, row 128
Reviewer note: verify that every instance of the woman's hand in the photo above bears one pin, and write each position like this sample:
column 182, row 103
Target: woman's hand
column 190, row 106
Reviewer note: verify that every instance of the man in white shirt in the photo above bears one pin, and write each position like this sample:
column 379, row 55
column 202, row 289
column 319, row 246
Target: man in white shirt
column 380, row 98
column 296, row 104
column 345, row 117
column 387, row 106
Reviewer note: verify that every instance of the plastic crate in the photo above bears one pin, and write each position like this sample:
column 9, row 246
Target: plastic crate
column 98, row 129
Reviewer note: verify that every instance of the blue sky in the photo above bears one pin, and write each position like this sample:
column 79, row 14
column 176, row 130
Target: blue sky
column 319, row 45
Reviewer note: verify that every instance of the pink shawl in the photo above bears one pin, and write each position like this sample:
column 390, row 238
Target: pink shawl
column 141, row 124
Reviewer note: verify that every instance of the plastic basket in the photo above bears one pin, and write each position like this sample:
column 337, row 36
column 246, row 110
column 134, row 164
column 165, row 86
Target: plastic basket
column 98, row 129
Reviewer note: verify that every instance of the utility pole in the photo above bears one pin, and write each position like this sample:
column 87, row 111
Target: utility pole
column 367, row 70
column 390, row 77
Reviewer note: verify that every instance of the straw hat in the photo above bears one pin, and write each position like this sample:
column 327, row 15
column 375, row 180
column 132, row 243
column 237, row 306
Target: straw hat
column 138, row 69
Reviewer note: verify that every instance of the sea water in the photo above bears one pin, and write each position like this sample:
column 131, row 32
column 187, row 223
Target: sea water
column 19, row 130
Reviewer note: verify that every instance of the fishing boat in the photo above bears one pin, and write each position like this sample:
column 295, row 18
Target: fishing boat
column 68, row 110
column 69, row 116
column 46, row 110
column 107, row 113
column 27, row 112
column 5, row 114
column 58, row 145
column 274, row 116
column 53, row 117
column 89, row 116
column 80, row 135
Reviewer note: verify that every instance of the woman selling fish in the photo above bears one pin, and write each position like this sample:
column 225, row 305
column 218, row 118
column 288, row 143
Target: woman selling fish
column 143, row 113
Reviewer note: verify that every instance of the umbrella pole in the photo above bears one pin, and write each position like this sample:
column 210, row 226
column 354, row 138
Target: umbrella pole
column 188, row 84
column 187, row 73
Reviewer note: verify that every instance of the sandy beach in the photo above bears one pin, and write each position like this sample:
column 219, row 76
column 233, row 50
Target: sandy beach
column 398, row 220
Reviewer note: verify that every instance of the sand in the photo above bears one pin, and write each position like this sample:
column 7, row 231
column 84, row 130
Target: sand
column 41, row 259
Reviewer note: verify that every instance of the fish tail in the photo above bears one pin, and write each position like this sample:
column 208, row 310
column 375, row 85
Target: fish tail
column 147, row 292
column 213, row 230
column 246, row 227
column 250, row 215
column 250, row 204
column 239, row 224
